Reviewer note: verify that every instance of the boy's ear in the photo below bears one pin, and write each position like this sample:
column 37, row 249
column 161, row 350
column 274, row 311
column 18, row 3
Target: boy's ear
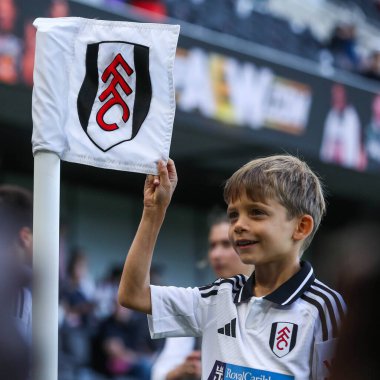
column 304, row 227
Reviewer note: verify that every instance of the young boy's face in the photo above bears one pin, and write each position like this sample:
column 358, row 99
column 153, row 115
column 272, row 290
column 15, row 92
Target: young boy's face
column 261, row 232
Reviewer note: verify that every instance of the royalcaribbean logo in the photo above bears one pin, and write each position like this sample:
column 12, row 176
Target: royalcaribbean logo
column 226, row 371
column 283, row 338
column 116, row 92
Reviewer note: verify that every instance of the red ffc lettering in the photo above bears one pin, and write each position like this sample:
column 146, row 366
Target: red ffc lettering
column 282, row 338
column 112, row 90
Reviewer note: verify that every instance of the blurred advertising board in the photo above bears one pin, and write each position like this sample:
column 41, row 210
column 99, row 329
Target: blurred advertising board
column 281, row 106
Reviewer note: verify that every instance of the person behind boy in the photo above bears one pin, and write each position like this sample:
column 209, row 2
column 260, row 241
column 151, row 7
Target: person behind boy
column 16, row 219
column 281, row 322
column 180, row 359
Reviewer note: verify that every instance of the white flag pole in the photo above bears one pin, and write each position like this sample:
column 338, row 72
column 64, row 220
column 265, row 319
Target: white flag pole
column 45, row 265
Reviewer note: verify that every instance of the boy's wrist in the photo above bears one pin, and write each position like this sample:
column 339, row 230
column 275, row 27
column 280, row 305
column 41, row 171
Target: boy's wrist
column 154, row 212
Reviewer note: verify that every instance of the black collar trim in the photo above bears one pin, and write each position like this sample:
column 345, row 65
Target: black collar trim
column 287, row 293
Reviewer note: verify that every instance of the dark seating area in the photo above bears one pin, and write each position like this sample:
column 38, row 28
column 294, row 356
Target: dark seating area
column 258, row 25
column 255, row 26
column 371, row 8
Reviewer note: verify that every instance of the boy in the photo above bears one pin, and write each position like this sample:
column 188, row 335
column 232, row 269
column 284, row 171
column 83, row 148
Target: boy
column 178, row 360
column 281, row 323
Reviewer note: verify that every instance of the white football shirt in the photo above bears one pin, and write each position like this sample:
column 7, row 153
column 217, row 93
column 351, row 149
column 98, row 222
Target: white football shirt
column 288, row 334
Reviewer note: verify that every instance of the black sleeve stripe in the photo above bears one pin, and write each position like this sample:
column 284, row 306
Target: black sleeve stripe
column 215, row 291
column 329, row 308
column 229, row 281
column 321, row 313
column 336, row 298
column 234, row 281
column 210, row 293
column 215, row 283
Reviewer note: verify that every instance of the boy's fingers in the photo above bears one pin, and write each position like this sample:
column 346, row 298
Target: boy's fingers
column 172, row 170
column 152, row 180
column 162, row 172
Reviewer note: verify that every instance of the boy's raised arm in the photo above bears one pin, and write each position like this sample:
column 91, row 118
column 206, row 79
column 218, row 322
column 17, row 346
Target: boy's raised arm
column 134, row 291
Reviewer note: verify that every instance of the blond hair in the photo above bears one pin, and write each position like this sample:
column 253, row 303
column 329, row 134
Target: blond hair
column 284, row 178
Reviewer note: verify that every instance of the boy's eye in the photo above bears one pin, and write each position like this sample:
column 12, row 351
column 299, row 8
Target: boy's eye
column 257, row 212
column 232, row 215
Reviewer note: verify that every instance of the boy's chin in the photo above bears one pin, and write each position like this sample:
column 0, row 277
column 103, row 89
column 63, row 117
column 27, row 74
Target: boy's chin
column 247, row 259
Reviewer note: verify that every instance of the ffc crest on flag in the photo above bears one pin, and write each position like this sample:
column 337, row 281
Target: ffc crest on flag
column 103, row 92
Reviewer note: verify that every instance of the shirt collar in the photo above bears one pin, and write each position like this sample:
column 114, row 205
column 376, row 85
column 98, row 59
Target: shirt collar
column 287, row 293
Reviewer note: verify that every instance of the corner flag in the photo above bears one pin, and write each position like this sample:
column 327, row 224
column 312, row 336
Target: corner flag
column 103, row 95
column 103, row 92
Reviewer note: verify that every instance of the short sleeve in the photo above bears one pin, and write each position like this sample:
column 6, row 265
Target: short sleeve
column 322, row 359
column 326, row 330
column 173, row 354
column 175, row 312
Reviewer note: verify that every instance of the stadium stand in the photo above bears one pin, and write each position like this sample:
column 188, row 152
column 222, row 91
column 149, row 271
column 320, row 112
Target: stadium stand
column 347, row 34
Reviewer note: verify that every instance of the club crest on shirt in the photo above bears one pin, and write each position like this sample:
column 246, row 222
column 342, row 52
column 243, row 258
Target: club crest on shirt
column 283, row 337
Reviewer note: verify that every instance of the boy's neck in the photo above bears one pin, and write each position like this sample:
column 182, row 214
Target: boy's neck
column 269, row 277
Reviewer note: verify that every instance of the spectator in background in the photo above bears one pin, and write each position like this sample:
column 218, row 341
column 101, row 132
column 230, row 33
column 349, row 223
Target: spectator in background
column 106, row 292
column 341, row 141
column 78, row 321
column 354, row 267
column 17, row 241
column 343, row 47
column 10, row 44
column 122, row 346
column 181, row 359
column 372, row 136
column 155, row 8
column 372, row 70
column 29, row 52
column 14, row 356
column 59, row 8
column 16, row 209
column 357, row 354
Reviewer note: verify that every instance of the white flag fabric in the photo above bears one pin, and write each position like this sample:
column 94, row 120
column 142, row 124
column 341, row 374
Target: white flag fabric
column 103, row 92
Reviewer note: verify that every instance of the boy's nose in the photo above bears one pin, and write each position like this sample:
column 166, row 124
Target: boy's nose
column 240, row 225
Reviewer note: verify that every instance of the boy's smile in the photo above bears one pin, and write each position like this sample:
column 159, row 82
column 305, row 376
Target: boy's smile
column 261, row 232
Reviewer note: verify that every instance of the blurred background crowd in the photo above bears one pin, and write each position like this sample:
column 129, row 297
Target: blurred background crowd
column 253, row 77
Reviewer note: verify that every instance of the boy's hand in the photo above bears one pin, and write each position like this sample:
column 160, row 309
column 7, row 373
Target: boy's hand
column 158, row 190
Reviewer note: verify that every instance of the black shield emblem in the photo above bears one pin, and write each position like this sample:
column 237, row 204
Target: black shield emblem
column 116, row 92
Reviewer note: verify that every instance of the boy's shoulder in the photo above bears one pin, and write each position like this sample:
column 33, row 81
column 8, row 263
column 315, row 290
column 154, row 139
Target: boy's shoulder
column 233, row 285
column 321, row 296
column 327, row 305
